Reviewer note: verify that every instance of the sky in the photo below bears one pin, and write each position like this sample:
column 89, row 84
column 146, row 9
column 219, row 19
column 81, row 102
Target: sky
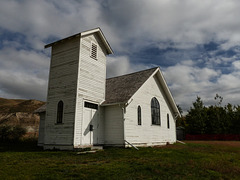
column 196, row 44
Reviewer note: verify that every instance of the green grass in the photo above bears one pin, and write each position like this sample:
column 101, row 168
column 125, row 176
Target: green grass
column 191, row 161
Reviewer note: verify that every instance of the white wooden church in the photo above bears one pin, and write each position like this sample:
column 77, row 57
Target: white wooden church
column 85, row 109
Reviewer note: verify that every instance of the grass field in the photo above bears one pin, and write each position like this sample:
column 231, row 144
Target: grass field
column 194, row 160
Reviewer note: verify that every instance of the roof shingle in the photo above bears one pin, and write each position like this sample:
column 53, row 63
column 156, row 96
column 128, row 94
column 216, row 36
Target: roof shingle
column 120, row 89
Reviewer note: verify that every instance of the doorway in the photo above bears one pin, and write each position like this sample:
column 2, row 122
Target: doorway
column 90, row 124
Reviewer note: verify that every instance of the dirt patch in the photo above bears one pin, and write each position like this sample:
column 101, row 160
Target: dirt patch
column 222, row 143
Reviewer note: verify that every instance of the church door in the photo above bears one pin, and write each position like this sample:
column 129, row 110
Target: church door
column 90, row 124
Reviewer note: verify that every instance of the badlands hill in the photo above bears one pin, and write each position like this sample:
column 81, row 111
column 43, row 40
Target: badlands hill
column 20, row 112
column 19, row 105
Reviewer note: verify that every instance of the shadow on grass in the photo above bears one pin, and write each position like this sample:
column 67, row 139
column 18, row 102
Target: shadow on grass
column 29, row 145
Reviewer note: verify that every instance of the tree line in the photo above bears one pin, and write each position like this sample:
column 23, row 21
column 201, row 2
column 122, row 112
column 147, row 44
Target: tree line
column 214, row 119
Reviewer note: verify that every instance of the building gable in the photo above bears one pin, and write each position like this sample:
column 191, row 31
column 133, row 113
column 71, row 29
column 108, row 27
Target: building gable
column 166, row 92
column 157, row 126
column 122, row 88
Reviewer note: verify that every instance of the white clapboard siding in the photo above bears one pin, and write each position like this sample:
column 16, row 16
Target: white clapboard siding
column 78, row 129
column 92, row 74
column 101, row 127
column 91, row 84
column 148, row 134
column 113, row 126
column 62, row 86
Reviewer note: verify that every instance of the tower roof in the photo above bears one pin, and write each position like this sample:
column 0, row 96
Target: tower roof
column 85, row 33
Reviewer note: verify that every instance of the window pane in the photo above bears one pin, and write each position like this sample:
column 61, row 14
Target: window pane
column 90, row 105
column 139, row 116
column 60, row 112
column 155, row 111
column 168, row 124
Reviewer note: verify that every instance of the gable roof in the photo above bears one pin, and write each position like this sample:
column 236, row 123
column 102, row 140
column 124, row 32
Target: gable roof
column 41, row 109
column 85, row 33
column 120, row 89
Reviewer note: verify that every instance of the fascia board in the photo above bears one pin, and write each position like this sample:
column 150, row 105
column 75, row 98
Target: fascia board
column 167, row 91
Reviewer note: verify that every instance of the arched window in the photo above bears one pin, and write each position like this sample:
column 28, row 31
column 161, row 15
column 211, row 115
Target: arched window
column 155, row 111
column 60, row 112
column 139, row 116
column 168, row 124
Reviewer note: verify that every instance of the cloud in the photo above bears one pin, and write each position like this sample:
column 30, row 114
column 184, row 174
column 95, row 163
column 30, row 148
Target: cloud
column 186, row 23
column 19, row 85
column 195, row 42
column 23, row 73
column 121, row 65
column 183, row 22
column 236, row 65
column 39, row 20
column 188, row 81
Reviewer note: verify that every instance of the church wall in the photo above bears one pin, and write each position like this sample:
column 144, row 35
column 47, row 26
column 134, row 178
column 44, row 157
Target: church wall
column 91, row 80
column 92, row 73
column 113, row 125
column 62, row 86
column 101, row 126
column 148, row 134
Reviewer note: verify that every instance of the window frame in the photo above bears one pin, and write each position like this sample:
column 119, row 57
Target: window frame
column 90, row 105
column 139, row 115
column 168, row 122
column 155, row 112
column 60, row 109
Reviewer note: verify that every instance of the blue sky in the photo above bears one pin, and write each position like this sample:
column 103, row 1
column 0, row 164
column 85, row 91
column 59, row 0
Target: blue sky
column 195, row 43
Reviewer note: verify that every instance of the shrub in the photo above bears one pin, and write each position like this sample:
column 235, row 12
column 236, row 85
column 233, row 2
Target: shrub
column 11, row 133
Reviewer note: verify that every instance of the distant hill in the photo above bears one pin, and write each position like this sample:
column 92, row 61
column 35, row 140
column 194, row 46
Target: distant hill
column 20, row 112
column 19, row 105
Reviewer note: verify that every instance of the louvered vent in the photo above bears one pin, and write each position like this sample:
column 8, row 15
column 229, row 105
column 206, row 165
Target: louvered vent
column 94, row 51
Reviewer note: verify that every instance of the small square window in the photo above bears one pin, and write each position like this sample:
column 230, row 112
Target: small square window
column 94, row 51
